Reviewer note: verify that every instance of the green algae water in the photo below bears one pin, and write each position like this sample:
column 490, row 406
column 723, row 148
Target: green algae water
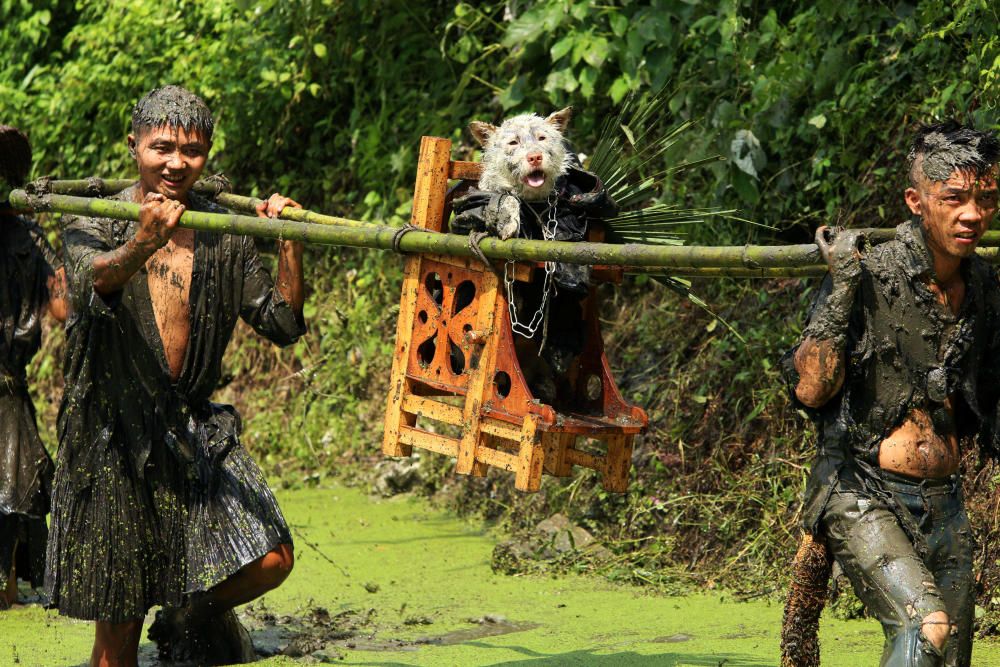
column 395, row 582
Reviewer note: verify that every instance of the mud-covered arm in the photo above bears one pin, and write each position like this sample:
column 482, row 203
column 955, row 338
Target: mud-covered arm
column 158, row 219
column 99, row 265
column 84, row 239
column 587, row 193
column 262, row 306
column 820, row 358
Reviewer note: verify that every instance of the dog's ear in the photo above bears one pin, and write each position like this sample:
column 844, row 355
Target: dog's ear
column 482, row 131
column 560, row 118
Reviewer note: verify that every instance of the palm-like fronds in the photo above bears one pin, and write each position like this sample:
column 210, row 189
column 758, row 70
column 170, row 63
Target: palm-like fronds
column 631, row 159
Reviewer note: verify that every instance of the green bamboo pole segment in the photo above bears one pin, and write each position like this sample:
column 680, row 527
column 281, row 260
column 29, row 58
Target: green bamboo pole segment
column 103, row 187
column 91, row 187
column 638, row 256
column 380, row 236
column 739, row 272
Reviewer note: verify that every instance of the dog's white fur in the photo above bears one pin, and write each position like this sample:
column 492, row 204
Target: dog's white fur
column 523, row 146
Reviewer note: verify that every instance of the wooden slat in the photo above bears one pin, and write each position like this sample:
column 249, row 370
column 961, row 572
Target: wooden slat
column 578, row 458
column 497, row 459
column 500, row 429
column 556, row 445
column 431, row 188
column 428, row 407
column 428, row 211
column 465, row 171
column 480, row 378
column 529, row 458
column 417, row 437
column 618, row 464
column 435, row 386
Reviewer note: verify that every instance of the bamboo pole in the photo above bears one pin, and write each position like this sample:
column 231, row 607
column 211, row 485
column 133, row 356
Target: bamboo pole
column 711, row 261
column 104, row 187
column 92, row 187
column 805, row 271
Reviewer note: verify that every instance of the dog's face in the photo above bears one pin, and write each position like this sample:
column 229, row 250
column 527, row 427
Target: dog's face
column 524, row 155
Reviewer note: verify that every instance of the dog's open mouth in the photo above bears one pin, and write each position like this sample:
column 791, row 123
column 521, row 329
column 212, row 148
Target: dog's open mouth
column 535, row 179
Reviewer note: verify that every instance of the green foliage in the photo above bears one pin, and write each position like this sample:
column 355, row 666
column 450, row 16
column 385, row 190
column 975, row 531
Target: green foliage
column 812, row 103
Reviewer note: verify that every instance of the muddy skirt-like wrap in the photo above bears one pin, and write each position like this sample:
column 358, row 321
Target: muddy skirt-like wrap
column 25, row 481
column 120, row 544
column 232, row 523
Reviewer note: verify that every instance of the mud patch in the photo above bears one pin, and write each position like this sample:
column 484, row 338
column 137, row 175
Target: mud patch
column 316, row 635
column 488, row 626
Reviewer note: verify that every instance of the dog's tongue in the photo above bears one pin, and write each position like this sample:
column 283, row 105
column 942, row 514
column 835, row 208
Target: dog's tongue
column 536, row 179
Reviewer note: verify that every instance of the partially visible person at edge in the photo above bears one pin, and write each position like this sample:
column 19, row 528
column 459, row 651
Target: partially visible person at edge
column 31, row 280
column 155, row 500
column 898, row 364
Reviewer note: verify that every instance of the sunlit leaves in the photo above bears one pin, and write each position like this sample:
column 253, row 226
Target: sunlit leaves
column 853, row 75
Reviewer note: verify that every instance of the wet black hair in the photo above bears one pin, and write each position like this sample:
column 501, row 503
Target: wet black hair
column 175, row 107
column 15, row 156
column 943, row 148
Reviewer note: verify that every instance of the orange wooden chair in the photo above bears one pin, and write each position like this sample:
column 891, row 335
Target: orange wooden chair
column 455, row 363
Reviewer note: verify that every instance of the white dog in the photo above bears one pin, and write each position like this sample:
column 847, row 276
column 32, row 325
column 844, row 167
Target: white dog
column 523, row 157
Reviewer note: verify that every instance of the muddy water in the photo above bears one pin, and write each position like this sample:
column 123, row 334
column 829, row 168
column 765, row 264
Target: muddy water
column 394, row 582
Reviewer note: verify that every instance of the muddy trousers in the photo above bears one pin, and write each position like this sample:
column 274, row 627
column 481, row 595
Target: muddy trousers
column 895, row 584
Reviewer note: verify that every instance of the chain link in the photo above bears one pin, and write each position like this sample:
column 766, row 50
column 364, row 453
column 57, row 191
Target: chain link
column 548, row 234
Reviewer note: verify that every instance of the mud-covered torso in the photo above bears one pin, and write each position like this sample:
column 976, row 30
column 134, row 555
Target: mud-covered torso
column 168, row 276
column 25, row 265
column 907, row 351
column 119, row 386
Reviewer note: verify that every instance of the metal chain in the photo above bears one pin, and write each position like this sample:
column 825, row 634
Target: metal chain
column 548, row 234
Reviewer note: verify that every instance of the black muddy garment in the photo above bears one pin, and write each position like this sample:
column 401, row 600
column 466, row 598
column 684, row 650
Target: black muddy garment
column 26, row 264
column 154, row 496
column 905, row 351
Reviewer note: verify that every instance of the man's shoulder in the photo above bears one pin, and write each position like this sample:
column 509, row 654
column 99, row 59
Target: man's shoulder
column 71, row 220
column 887, row 256
column 979, row 266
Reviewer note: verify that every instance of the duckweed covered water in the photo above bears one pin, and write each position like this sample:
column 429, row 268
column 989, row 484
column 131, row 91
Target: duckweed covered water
column 395, row 582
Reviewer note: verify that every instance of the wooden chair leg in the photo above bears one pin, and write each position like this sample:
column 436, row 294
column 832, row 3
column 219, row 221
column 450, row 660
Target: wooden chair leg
column 396, row 417
column 530, row 457
column 618, row 463
column 555, row 446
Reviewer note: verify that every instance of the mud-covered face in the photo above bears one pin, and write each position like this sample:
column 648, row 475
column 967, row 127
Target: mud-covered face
column 534, row 154
column 524, row 155
column 956, row 212
column 170, row 160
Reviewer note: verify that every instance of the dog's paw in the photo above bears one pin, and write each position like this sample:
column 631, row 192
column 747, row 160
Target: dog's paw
column 508, row 229
column 508, row 218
